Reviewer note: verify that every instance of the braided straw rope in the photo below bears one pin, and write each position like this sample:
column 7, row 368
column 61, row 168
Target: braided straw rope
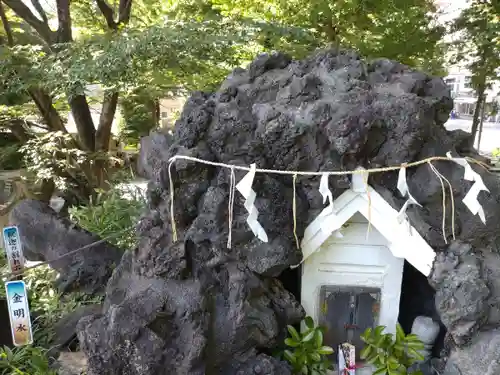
column 319, row 173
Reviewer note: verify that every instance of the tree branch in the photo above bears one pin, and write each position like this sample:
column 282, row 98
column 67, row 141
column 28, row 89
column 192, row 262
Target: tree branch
column 39, row 9
column 64, row 18
column 6, row 25
column 27, row 15
column 103, row 135
column 108, row 13
column 18, row 128
column 124, row 10
column 83, row 121
column 43, row 101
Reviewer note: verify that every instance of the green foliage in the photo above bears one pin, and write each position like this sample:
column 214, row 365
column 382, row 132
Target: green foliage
column 167, row 56
column 476, row 46
column 3, row 270
column 10, row 156
column 112, row 212
column 55, row 155
column 391, row 355
column 52, row 155
column 397, row 29
column 307, row 354
column 27, row 360
column 477, row 43
column 140, row 117
column 47, row 305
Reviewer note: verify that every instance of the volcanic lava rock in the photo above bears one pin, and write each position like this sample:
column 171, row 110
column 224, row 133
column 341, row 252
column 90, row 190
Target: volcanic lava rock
column 198, row 306
column 48, row 236
column 461, row 291
column 481, row 356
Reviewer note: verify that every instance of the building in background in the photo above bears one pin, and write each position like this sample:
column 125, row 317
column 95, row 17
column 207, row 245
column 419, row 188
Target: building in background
column 464, row 96
column 459, row 78
column 170, row 109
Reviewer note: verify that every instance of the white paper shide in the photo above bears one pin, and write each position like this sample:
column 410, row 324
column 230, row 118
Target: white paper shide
column 405, row 192
column 470, row 199
column 245, row 188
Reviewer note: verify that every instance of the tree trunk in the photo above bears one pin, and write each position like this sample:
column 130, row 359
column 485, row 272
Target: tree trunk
column 64, row 20
column 103, row 138
column 481, row 125
column 42, row 28
column 83, row 121
column 50, row 115
column 156, row 114
column 477, row 111
column 47, row 189
column 6, row 26
column 17, row 127
column 103, row 135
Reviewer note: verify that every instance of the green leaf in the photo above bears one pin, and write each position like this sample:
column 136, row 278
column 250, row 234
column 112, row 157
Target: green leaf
column 381, row 371
column 315, row 357
column 308, row 337
column 415, row 345
column 309, row 322
column 289, row 356
column 415, row 354
column 412, row 338
column 400, row 333
column 291, row 342
column 379, row 330
column 325, row 350
column 365, row 352
column 367, row 334
column 382, row 359
column 318, row 338
column 293, row 332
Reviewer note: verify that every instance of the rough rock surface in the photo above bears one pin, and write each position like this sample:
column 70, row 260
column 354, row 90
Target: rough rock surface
column 461, row 291
column 195, row 306
column 481, row 356
column 72, row 363
column 65, row 328
column 46, row 235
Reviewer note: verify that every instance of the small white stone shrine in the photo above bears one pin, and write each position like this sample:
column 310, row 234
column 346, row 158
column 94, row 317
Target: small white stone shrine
column 352, row 274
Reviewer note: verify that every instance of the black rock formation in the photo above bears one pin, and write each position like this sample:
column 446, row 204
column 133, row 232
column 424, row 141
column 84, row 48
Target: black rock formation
column 196, row 307
column 48, row 236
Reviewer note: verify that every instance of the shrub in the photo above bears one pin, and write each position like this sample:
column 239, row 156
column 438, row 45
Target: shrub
column 391, row 355
column 307, row 354
column 47, row 305
column 27, row 360
column 10, row 157
column 112, row 212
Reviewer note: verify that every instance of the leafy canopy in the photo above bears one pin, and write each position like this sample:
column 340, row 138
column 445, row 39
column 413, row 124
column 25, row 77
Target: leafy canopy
column 477, row 40
column 403, row 30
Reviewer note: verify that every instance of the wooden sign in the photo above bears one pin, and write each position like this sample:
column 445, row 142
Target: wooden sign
column 13, row 249
column 20, row 320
